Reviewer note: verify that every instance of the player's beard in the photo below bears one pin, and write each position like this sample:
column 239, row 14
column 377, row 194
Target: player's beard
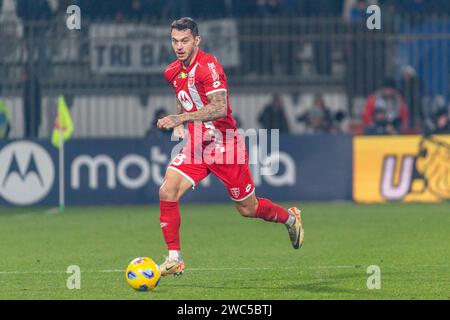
column 190, row 57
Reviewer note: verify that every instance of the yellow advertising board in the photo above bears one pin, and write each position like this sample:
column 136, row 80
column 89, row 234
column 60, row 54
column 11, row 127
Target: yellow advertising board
column 401, row 168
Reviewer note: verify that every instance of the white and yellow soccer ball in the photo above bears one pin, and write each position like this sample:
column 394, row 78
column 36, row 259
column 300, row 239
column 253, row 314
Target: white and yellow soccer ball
column 143, row 274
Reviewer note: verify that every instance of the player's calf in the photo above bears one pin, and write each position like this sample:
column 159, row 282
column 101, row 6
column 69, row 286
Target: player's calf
column 248, row 207
column 265, row 209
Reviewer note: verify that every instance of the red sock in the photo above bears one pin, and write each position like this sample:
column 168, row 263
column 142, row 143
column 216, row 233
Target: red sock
column 269, row 211
column 169, row 217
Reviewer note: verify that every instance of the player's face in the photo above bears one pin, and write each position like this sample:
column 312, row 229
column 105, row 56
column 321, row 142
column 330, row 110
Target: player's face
column 184, row 44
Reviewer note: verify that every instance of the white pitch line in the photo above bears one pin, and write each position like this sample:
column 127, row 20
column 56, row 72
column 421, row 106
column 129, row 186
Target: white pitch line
column 22, row 215
column 219, row 269
column 190, row 269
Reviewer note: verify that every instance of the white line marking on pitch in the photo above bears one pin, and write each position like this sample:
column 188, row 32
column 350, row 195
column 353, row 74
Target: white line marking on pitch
column 22, row 215
column 219, row 269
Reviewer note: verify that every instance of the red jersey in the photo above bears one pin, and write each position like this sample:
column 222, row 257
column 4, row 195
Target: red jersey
column 204, row 76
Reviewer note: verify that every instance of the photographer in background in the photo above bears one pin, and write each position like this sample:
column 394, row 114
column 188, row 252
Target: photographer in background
column 274, row 115
column 442, row 122
column 393, row 103
column 153, row 130
column 320, row 119
column 380, row 124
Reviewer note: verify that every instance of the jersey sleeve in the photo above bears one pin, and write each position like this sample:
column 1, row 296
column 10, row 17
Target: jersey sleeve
column 213, row 77
column 170, row 74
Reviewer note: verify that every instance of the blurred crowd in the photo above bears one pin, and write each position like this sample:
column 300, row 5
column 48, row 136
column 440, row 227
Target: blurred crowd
column 135, row 10
column 385, row 113
column 390, row 109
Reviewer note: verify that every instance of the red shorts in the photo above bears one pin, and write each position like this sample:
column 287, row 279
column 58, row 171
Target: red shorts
column 236, row 176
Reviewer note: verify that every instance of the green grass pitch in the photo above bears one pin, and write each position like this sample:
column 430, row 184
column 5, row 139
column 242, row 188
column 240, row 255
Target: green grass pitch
column 230, row 257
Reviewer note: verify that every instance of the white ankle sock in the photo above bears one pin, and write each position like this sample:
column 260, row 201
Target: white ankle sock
column 290, row 221
column 175, row 254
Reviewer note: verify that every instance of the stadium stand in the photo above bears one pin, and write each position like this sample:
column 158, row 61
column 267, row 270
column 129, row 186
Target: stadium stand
column 298, row 49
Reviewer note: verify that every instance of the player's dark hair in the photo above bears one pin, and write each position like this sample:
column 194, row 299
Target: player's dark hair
column 185, row 24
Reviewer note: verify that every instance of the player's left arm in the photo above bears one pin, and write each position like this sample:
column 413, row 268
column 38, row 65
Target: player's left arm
column 178, row 131
column 215, row 109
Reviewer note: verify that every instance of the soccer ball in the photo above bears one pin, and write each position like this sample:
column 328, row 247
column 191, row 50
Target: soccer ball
column 143, row 274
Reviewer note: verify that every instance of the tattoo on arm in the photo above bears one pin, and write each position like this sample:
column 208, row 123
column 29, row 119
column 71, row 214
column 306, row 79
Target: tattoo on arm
column 179, row 108
column 215, row 109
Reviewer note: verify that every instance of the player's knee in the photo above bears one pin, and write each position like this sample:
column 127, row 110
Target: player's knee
column 167, row 193
column 247, row 211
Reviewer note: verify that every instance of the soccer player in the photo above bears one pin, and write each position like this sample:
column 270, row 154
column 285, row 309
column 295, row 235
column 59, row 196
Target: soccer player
column 200, row 85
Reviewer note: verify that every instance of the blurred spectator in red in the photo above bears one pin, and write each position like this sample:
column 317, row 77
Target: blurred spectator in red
column 392, row 101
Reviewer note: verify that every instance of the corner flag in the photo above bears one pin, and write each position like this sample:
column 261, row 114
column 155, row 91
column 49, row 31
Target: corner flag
column 63, row 130
column 63, row 124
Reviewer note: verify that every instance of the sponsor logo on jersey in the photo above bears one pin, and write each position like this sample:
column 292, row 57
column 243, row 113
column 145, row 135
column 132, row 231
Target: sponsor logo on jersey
column 216, row 84
column 182, row 75
column 214, row 74
column 185, row 100
column 247, row 189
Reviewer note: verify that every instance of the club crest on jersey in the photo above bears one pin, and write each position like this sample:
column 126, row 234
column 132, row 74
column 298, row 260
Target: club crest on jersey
column 182, row 75
column 235, row 192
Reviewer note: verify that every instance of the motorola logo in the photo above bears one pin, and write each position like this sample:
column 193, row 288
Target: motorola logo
column 27, row 173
